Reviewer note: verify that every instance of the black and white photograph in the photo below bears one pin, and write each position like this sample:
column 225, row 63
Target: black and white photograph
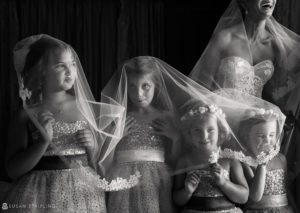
column 150, row 106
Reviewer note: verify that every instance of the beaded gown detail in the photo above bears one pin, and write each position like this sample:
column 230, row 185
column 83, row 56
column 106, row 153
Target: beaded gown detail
column 59, row 190
column 237, row 73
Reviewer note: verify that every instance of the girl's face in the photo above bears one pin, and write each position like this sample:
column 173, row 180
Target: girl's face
column 141, row 90
column 259, row 8
column 204, row 134
column 262, row 137
column 61, row 71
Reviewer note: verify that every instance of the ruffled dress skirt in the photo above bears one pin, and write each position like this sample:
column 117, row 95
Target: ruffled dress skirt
column 54, row 191
column 152, row 194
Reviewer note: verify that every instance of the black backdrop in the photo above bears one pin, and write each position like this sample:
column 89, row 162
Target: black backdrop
column 106, row 32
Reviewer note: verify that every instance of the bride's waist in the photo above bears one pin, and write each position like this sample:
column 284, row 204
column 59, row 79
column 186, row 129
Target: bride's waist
column 140, row 155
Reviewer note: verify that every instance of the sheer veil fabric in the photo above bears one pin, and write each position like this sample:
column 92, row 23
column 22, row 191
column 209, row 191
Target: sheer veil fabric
column 98, row 117
column 229, row 55
column 176, row 95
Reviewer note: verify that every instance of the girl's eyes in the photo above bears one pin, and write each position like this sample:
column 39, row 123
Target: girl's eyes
column 146, row 86
column 197, row 131
column 64, row 66
column 60, row 66
column 265, row 136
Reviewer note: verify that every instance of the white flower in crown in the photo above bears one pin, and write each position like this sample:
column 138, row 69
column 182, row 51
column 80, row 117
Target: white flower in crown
column 212, row 108
column 24, row 93
column 261, row 112
column 202, row 110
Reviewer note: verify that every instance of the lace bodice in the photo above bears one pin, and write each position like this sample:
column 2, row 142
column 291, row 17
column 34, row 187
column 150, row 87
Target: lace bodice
column 275, row 182
column 207, row 186
column 64, row 134
column 237, row 73
column 142, row 138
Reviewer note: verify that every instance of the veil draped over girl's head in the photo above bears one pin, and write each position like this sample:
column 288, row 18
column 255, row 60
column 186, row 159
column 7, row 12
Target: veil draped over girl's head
column 97, row 116
column 230, row 43
column 174, row 95
column 242, row 118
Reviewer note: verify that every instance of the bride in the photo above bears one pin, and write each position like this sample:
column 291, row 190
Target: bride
column 250, row 52
column 253, row 53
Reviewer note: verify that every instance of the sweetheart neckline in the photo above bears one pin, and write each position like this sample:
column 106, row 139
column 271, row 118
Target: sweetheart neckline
column 257, row 64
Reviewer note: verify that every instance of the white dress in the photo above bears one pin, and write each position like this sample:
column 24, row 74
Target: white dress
column 51, row 186
column 142, row 151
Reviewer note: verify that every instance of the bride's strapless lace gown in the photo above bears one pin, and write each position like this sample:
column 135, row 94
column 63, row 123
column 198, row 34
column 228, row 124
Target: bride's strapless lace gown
column 237, row 73
column 50, row 189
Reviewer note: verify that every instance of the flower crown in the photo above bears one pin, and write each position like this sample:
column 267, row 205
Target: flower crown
column 202, row 110
column 261, row 113
column 24, row 93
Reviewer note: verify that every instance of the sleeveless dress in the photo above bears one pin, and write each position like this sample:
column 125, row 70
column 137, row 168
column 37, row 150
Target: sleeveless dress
column 237, row 73
column 208, row 198
column 274, row 199
column 55, row 185
column 142, row 151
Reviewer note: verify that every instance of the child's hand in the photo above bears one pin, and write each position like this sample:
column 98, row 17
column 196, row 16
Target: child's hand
column 218, row 173
column 129, row 125
column 191, row 182
column 46, row 120
column 85, row 138
column 165, row 127
column 267, row 148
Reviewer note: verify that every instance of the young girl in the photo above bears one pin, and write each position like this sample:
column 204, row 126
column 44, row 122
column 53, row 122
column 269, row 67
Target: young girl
column 212, row 186
column 53, row 141
column 267, row 181
column 149, row 140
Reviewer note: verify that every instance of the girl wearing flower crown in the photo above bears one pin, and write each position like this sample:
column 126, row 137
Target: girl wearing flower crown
column 214, row 185
column 267, row 181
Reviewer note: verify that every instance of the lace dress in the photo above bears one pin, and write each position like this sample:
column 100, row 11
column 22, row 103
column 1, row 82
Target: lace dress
column 53, row 186
column 237, row 73
column 208, row 198
column 142, row 151
column 274, row 199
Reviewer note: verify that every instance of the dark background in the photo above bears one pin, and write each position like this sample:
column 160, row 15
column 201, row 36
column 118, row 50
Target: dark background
column 106, row 32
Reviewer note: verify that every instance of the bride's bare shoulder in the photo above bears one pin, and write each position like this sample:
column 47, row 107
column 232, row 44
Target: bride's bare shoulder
column 223, row 38
column 227, row 36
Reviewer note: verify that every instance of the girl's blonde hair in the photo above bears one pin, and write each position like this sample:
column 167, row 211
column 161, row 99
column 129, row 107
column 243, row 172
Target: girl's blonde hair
column 37, row 61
